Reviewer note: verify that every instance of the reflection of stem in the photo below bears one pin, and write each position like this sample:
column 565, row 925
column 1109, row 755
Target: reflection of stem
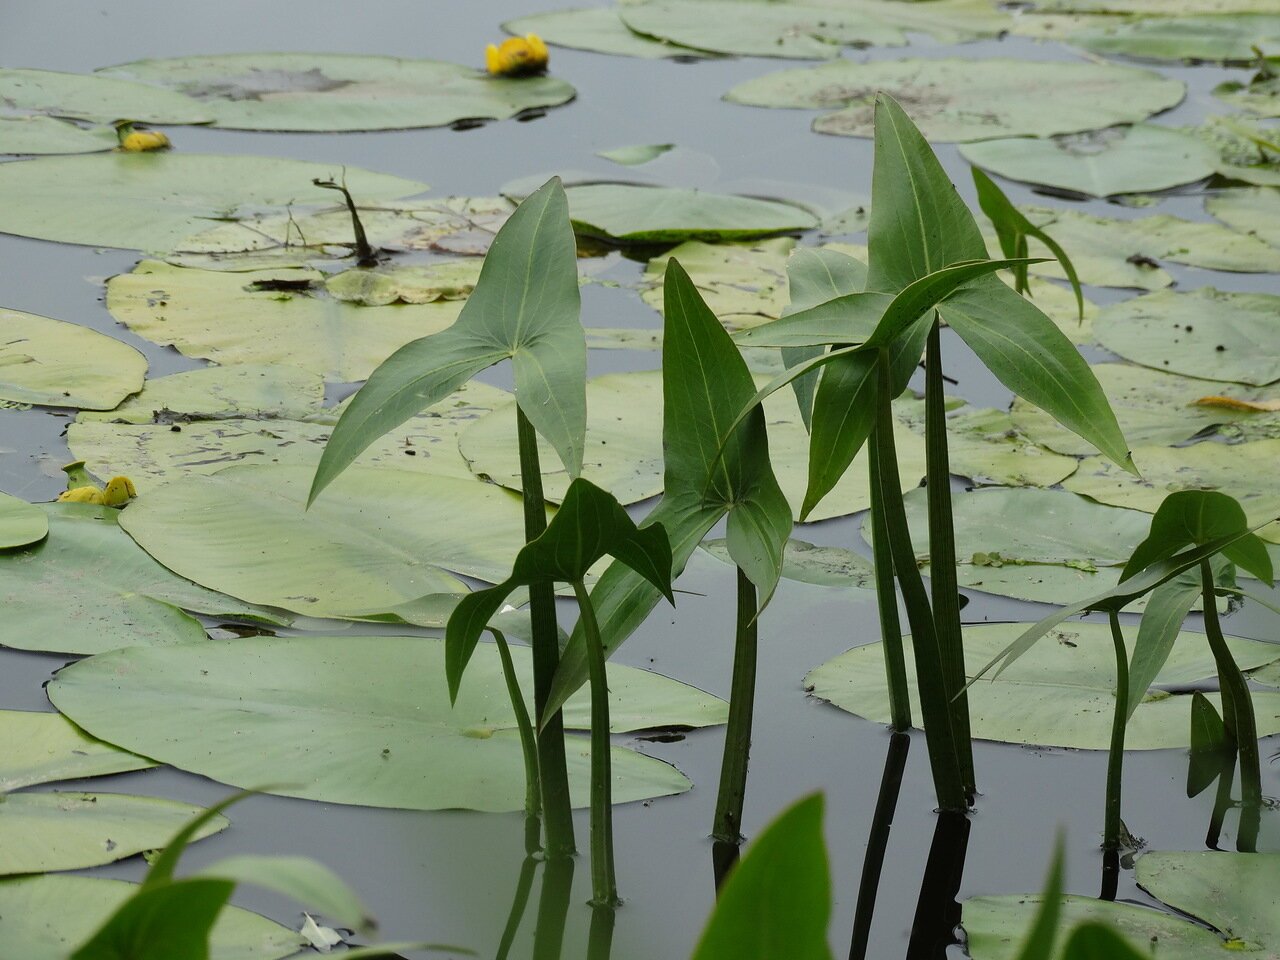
column 1221, row 803
column 524, row 886
column 737, row 738
column 1238, row 705
column 1110, row 875
column 557, row 808
column 528, row 743
column 553, row 908
column 895, row 762
column 600, row 936
column 724, row 855
column 1115, row 756
column 937, row 912
column 887, row 601
column 366, row 256
column 604, row 883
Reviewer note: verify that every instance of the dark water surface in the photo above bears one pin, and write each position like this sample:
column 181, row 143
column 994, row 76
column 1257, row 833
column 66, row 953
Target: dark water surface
column 450, row 876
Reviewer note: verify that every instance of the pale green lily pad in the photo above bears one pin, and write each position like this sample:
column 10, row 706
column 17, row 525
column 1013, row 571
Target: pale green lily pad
column 746, row 28
column 1227, row 38
column 96, row 98
column 809, row 563
column 21, row 523
column 1246, row 471
column 632, row 213
column 1260, row 96
column 49, row 917
column 149, row 201
column 597, row 29
column 360, row 720
column 1060, row 693
column 1247, row 148
column 377, row 540
column 40, row 832
column 624, row 338
column 960, row 100
column 89, row 588
column 226, row 318
column 1136, row 159
column 1251, row 210
column 1154, row 408
column 1204, row 333
column 58, row 364
column 947, row 21
column 852, row 219
column 44, row 747
column 1059, row 304
column 743, row 284
column 45, row 135
column 442, row 280
column 636, row 155
column 1233, row 892
column 338, row 92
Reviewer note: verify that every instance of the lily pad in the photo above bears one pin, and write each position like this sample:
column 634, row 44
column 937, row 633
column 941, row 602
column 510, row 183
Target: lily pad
column 89, row 588
column 806, row 562
column 598, row 29
column 53, row 363
column 365, row 722
column 1135, row 159
column 633, row 213
column 21, row 523
column 339, row 92
column 1252, row 210
column 44, row 135
column 234, row 318
column 1204, row 333
column 1224, row 38
column 743, row 284
column 755, row 29
column 1260, row 95
column 1153, row 408
column 379, row 540
column 1245, row 471
column 70, row 831
column 1058, row 694
column 961, row 100
column 442, row 280
column 1234, row 893
column 44, row 747
column 636, row 155
column 149, row 201
column 97, row 98
column 49, row 917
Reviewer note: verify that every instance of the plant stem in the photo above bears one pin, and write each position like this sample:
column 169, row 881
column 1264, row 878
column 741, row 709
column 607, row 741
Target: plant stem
column 366, row 256
column 1221, row 803
column 1238, row 705
column 600, row 933
column 940, row 736
column 895, row 763
column 737, row 738
column 895, row 667
column 528, row 742
column 945, row 592
column 604, row 884
column 1115, row 756
column 557, row 807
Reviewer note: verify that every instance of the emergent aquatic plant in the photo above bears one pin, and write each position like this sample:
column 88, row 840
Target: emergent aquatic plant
column 525, row 308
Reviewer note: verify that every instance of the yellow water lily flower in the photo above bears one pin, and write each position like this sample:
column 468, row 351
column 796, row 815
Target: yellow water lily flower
column 119, row 491
column 517, row 56
column 139, row 141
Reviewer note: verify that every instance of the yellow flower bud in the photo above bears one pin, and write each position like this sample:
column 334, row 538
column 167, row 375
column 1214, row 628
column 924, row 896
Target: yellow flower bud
column 143, row 141
column 120, row 490
column 517, row 56
column 81, row 495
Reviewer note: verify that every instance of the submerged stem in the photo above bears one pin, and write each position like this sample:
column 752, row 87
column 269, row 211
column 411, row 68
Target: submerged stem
column 1115, row 755
column 366, row 256
column 557, row 808
column 737, row 739
column 604, row 883
column 528, row 742
column 895, row 667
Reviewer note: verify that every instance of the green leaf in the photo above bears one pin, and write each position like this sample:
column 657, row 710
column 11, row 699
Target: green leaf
column 1231, row 892
column 1211, row 751
column 1195, row 517
column 309, row 882
column 1226, row 38
column 162, row 867
column 776, row 902
column 599, row 29
column 1044, row 930
column 45, row 747
column 170, row 922
column 58, row 364
column 42, row 135
column 95, row 97
column 1097, row 941
column 636, row 155
column 21, row 523
column 1167, row 608
column 525, row 307
column 589, row 525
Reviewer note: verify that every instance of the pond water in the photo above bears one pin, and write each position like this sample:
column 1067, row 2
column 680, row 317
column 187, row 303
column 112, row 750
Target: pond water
column 451, row 876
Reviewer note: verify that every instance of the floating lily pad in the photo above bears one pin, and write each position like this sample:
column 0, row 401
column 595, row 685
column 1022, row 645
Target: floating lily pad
column 44, row 135
column 636, row 155
column 44, row 747
column 95, row 97
column 53, row 363
column 754, row 29
column 267, row 316
column 149, row 201
column 333, row 91
column 360, row 720
column 70, row 831
column 1234, row 893
column 89, row 588
column 1246, row 471
column 632, row 213
column 1135, row 159
column 598, row 29
column 1060, row 693
column 1204, row 333
column 1261, row 95
column 443, row 280
column 378, row 540
column 960, row 100
column 809, row 563
column 21, row 523
column 1153, row 408
column 1059, row 304
column 743, row 284
column 1227, row 38
column 49, row 917
column 1255, row 211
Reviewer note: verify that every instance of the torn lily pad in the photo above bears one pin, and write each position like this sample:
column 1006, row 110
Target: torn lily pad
column 96, row 98
column 21, row 523
column 1234, row 893
column 46, row 747
column 38, row 135
column 441, row 280
column 53, row 363
column 382, row 733
column 342, row 92
column 962, row 100
column 743, row 284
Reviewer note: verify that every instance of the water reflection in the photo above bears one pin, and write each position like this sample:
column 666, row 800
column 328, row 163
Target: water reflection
column 938, row 909
column 877, row 841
